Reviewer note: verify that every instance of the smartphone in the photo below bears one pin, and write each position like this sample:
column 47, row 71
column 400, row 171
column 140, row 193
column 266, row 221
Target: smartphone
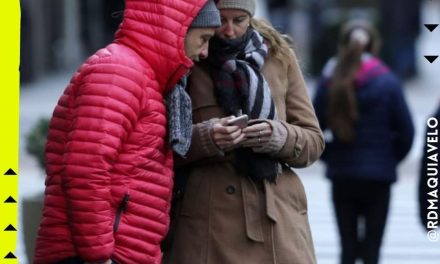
column 240, row 121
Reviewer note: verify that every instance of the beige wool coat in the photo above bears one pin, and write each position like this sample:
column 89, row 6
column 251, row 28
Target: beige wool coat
column 223, row 217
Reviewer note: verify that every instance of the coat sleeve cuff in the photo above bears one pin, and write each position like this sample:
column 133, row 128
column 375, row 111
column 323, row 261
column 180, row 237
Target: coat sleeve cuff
column 208, row 147
column 277, row 139
column 294, row 143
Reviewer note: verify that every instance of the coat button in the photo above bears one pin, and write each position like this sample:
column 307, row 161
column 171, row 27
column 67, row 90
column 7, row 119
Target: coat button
column 178, row 194
column 230, row 189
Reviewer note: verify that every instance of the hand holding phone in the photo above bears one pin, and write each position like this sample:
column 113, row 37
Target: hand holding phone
column 240, row 121
column 226, row 133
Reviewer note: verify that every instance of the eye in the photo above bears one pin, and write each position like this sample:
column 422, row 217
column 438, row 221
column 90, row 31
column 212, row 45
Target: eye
column 239, row 20
column 205, row 39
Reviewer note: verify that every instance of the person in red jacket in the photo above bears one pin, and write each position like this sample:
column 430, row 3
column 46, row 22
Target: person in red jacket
column 109, row 161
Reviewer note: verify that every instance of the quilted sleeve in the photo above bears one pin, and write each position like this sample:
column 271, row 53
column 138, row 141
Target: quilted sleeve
column 104, row 111
column 320, row 103
column 401, row 124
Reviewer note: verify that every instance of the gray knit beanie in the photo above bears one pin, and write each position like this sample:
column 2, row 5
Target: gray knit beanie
column 245, row 5
column 208, row 17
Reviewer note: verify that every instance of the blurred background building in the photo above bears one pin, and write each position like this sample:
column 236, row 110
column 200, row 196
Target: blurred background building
column 57, row 35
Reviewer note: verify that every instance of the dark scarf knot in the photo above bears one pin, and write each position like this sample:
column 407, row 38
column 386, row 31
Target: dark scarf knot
column 241, row 88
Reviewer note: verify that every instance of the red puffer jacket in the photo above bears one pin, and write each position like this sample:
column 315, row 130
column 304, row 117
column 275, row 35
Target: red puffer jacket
column 109, row 166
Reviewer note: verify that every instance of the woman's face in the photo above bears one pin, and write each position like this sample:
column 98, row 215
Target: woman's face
column 235, row 22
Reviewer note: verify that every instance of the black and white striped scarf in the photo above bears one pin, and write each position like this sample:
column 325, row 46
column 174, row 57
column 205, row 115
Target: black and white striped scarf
column 241, row 88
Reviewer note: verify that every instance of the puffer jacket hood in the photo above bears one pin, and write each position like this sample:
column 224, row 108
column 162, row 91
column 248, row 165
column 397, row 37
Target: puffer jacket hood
column 159, row 27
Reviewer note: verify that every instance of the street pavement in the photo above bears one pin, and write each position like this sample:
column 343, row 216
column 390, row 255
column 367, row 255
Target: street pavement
column 405, row 241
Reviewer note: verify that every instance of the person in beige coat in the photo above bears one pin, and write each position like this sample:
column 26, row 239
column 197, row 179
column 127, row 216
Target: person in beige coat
column 238, row 198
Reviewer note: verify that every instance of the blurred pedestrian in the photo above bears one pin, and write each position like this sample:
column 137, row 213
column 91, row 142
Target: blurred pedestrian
column 280, row 12
column 242, row 203
column 109, row 167
column 361, row 103
column 400, row 27
column 98, row 22
column 429, row 186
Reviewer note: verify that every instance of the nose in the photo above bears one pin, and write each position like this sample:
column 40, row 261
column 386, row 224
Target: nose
column 228, row 30
column 204, row 51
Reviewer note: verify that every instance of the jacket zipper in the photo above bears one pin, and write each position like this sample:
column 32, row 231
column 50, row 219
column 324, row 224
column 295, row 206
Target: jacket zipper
column 121, row 209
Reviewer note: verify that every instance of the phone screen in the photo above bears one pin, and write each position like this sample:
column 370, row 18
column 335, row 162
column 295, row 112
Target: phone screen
column 240, row 121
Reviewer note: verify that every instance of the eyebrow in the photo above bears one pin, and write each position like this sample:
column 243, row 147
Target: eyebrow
column 240, row 16
column 207, row 35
